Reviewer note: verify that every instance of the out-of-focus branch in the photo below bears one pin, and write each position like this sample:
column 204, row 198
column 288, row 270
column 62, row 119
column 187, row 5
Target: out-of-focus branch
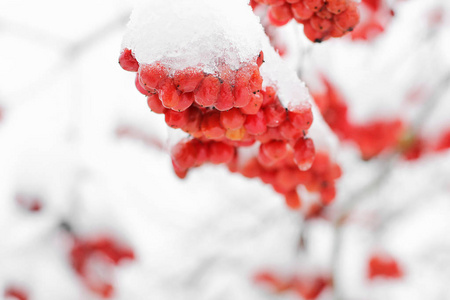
column 70, row 55
column 29, row 33
column 387, row 167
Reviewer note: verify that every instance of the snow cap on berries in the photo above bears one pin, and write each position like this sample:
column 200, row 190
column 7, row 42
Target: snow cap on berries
column 182, row 33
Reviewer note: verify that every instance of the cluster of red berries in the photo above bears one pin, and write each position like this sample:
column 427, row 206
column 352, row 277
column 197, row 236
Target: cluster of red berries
column 377, row 136
column 308, row 287
column 371, row 138
column 285, row 176
column 321, row 19
column 87, row 254
column 229, row 110
column 15, row 293
column 383, row 265
column 191, row 87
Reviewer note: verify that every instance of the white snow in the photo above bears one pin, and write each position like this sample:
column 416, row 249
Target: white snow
column 204, row 33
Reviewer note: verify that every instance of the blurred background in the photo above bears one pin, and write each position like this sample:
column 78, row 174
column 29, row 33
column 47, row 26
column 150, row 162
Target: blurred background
column 91, row 208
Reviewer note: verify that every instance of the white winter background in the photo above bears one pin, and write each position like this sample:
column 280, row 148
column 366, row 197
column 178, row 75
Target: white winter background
column 63, row 96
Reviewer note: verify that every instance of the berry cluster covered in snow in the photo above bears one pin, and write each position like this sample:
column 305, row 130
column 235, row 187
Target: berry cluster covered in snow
column 224, row 106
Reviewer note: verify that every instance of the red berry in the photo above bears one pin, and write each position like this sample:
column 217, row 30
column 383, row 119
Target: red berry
column 184, row 155
column 194, row 121
column 319, row 24
column 127, row 61
column 324, row 14
column 293, row 200
column 225, row 99
column 304, row 153
column 301, row 116
column 275, row 150
column 242, row 90
column 337, row 6
column 300, row 11
column 188, row 79
column 155, row 104
column 347, row 20
column 176, row 119
column 275, row 114
column 186, row 100
column 255, row 124
column 168, row 93
column 280, row 15
column 312, row 34
column 336, row 32
column 181, row 173
column 232, row 119
column 255, row 82
column 260, row 59
column 314, row 5
column 211, row 127
column 220, row 153
column 202, row 152
column 254, row 105
column 242, row 95
column 207, row 92
column 140, row 88
column 383, row 265
column 289, row 132
column 264, row 160
column 321, row 164
column 238, row 134
column 151, row 76
column 287, row 178
column 251, row 168
column 269, row 96
column 271, row 134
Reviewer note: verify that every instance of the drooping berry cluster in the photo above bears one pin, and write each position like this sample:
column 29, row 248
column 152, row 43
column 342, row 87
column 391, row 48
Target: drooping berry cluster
column 228, row 110
column 377, row 136
column 285, row 176
column 86, row 254
column 371, row 138
column 308, row 287
column 321, row 19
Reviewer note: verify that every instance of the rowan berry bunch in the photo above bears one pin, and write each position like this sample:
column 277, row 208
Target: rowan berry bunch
column 178, row 90
column 285, row 177
column 372, row 138
column 228, row 110
column 87, row 255
column 322, row 19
